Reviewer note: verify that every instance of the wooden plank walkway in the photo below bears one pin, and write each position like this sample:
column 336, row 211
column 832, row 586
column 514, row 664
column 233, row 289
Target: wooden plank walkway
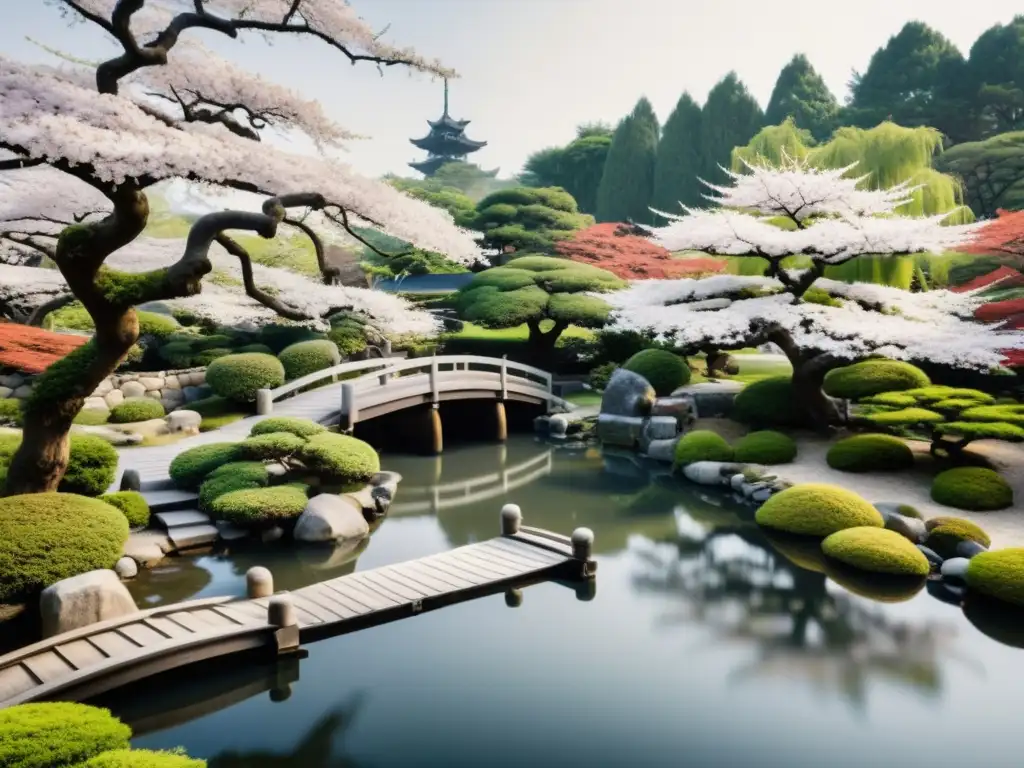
column 84, row 663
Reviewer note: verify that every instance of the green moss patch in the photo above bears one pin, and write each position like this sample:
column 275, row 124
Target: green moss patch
column 340, row 457
column 814, row 509
column 765, row 447
column 876, row 550
column 137, row 409
column 296, row 426
column 90, row 417
column 57, row 735
column 999, row 575
column 189, row 468
column 1010, row 414
column 972, row 488
column 935, row 394
column 260, row 506
column 873, row 377
column 664, row 371
column 904, row 416
column 702, row 445
column 870, row 453
column 240, row 377
column 894, row 399
column 142, row 758
column 132, row 504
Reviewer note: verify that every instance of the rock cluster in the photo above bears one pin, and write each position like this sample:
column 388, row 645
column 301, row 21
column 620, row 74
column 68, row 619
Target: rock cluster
column 172, row 388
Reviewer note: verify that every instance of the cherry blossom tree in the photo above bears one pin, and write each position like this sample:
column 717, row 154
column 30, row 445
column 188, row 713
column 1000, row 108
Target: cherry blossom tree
column 160, row 107
column 793, row 209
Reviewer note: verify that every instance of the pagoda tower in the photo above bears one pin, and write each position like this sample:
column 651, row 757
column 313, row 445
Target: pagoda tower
column 446, row 142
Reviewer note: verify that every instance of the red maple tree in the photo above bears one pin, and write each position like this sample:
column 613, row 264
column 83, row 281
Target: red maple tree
column 1002, row 235
column 611, row 246
column 33, row 350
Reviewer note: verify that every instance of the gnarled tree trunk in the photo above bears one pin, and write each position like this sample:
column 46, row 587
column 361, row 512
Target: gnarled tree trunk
column 542, row 343
column 809, row 371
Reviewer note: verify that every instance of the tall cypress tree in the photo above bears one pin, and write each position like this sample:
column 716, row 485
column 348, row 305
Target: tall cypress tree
column 677, row 167
column 800, row 93
column 628, row 178
column 731, row 118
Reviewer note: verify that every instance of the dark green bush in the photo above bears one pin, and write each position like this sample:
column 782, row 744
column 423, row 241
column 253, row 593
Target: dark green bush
column 46, row 537
column 177, row 354
column 873, row 377
column 233, row 476
column 270, row 446
column 702, row 445
column 142, row 758
column 132, row 503
column 10, row 411
column 815, row 509
column 340, row 457
column 260, row 507
column 765, row 447
column 207, row 356
column 277, row 337
column 870, row 453
column 972, row 488
column 92, row 463
column 239, row 377
column 137, row 409
column 598, row 377
column 57, row 735
column 664, row 371
column 299, row 427
column 189, row 468
column 769, row 403
column 307, row 357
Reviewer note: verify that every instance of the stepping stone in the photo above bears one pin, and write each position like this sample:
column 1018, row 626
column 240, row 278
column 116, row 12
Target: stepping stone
column 189, row 536
column 163, row 484
column 181, row 518
column 168, row 500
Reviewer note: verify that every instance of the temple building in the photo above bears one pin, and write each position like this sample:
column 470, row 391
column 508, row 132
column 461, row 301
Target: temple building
column 446, row 142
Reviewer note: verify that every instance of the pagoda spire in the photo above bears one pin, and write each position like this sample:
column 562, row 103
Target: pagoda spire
column 446, row 142
column 446, row 97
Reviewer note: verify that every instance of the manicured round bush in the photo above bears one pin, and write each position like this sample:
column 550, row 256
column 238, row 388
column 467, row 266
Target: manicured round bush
column 702, row 445
column 261, row 348
column 769, row 403
column 57, row 735
column 308, row 357
column 873, row 377
column 876, row 550
column 92, row 463
column 815, row 509
column 765, row 447
column 292, row 424
column 142, row 758
column 999, row 575
column 260, row 507
column 270, row 446
column 207, row 356
column 870, row 453
column 132, row 504
column 239, row 377
column 233, row 476
column 664, row 371
column 340, row 457
column 137, row 409
column 190, row 467
column 46, row 537
column 972, row 488
column 277, row 337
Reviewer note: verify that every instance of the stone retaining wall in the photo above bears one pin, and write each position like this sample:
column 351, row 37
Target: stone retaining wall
column 172, row 388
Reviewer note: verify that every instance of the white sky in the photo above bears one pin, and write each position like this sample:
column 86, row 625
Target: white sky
column 533, row 69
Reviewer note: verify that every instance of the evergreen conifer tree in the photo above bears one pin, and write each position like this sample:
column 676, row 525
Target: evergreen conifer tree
column 731, row 117
column 628, row 178
column 800, row 93
column 678, row 160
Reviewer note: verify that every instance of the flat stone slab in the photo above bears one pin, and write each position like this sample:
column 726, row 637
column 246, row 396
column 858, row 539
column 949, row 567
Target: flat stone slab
column 188, row 536
column 147, row 548
column 182, row 517
column 169, row 499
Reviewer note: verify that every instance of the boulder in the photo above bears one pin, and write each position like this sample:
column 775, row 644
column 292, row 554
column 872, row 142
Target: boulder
column 95, row 403
column 83, row 600
column 558, row 426
column 183, row 421
column 662, row 450
column 710, row 399
column 132, row 389
column 113, row 398
column 151, row 383
column 682, row 409
column 153, row 394
column 126, row 568
column 104, row 388
column 12, row 380
column 147, row 548
column 192, row 393
column 328, row 517
column 954, row 571
column 5, row 392
column 909, row 527
column 622, row 431
column 627, row 394
column 22, row 392
column 711, row 472
column 171, row 382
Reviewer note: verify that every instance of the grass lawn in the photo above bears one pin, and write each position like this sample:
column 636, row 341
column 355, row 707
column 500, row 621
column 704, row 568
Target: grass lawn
column 586, row 397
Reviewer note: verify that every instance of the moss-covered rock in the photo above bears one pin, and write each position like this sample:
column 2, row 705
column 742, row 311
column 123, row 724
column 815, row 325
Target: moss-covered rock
column 296, row 426
column 137, row 409
column 765, row 447
column 142, row 758
column 271, row 446
column 999, row 575
column 233, row 476
column 702, row 445
column 240, row 377
column 814, row 509
column 968, row 530
column 972, row 488
column 57, row 735
column 769, row 403
column 132, row 504
column 46, row 537
column 340, row 458
column 873, row 377
column 260, row 507
column 308, row 357
column 870, row 453
column 190, row 467
column 664, row 371
column 876, row 550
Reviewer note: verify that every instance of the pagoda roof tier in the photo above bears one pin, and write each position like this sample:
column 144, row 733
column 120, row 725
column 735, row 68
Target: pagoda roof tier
column 429, row 166
column 447, row 121
column 447, row 144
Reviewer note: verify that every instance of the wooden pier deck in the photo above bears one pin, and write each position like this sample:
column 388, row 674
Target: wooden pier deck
column 84, row 663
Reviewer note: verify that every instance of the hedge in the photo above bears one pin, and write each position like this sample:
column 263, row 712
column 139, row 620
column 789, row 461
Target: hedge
column 769, row 403
column 340, row 457
column 765, row 447
column 57, row 735
column 972, row 488
column 876, row 550
column 664, row 371
column 189, row 468
column 873, row 377
column 292, row 424
column 46, row 537
column 814, row 509
column 260, row 506
column 239, row 377
column 307, row 357
column 132, row 504
column 870, row 453
column 702, row 445
column 137, row 409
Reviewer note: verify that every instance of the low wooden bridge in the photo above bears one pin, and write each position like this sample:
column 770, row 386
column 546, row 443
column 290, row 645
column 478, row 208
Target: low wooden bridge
column 84, row 663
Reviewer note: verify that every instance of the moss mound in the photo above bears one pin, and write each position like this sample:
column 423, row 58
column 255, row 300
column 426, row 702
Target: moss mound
column 876, row 550
column 972, row 488
column 769, row 403
column 132, row 504
column 908, row 511
column 240, row 377
column 904, row 416
column 340, row 458
column 965, row 528
column 873, row 377
column 663, row 370
column 270, row 446
column 870, row 453
column 308, row 357
column 296, row 426
column 57, row 735
column 765, row 447
column 999, row 575
column 189, row 468
column 260, row 506
column 142, row 758
column 234, row 476
column 137, row 409
column 815, row 509
column 702, row 445
column 936, row 393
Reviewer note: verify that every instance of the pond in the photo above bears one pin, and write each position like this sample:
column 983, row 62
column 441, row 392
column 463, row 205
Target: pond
column 697, row 650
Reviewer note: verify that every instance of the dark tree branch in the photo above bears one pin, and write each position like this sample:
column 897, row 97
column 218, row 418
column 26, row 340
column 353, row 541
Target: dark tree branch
column 39, row 314
column 89, row 16
column 341, row 218
column 16, row 163
column 251, row 289
column 328, row 273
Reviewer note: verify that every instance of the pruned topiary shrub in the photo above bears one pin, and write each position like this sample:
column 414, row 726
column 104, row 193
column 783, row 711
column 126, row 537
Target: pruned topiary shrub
column 664, row 371
column 340, row 458
column 240, row 377
column 972, row 488
column 998, row 575
column 815, row 509
column 876, row 550
column 142, row 758
column 261, row 507
column 873, row 377
column 137, row 409
column 189, row 468
column 132, row 504
column 765, row 447
column 769, row 403
column 307, row 357
column 233, row 476
column 92, row 463
column 278, row 336
column 271, row 446
column 702, row 445
column 46, row 537
column 57, row 734
column 263, row 349
column 870, row 453
column 292, row 424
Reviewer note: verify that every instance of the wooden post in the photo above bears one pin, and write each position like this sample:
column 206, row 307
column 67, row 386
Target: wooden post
column 281, row 615
column 435, row 396
column 586, row 590
column 259, row 582
column 511, row 519
column 349, row 411
column 504, row 377
column 501, row 423
column 264, row 402
column 513, row 598
column 435, row 437
column 131, row 480
column 582, row 543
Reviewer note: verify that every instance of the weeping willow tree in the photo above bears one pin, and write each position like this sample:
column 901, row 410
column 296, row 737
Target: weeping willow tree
column 887, row 154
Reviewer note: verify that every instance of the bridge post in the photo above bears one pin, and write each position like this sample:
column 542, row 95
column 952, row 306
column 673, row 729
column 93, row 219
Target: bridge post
column 434, row 425
column 281, row 615
column 259, row 582
column 349, row 412
column 513, row 598
column 511, row 519
column 583, row 550
column 504, row 377
column 131, row 480
column 501, row 422
column 435, row 395
column 264, row 402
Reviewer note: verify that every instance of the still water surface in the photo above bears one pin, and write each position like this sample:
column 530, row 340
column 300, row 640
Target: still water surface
column 698, row 650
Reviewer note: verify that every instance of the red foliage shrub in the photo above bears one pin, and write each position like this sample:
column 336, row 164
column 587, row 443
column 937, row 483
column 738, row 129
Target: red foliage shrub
column 632, row 257
column 999, row 310
column 33, row 350
column 1004, row 234
column 1007, row 276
